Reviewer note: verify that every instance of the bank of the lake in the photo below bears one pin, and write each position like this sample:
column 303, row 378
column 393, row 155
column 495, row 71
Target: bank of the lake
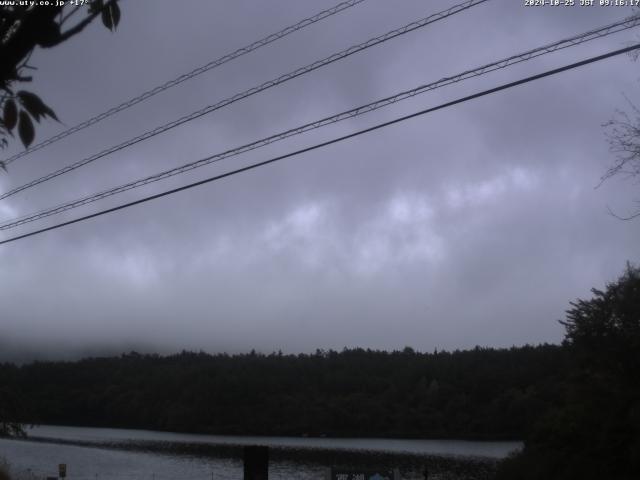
column 118, row 453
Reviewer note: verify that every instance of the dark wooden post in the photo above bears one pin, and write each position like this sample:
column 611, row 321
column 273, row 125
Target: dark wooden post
column 256, row 463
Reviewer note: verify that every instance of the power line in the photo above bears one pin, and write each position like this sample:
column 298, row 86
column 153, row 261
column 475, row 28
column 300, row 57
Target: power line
column 354, row 112
column 252, row 91
column 187, row 76
column 330, row 142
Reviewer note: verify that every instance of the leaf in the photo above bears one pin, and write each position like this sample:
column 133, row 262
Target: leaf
column 111, row 15
column 25, row 129
column 10, row 114
column 95, row 6
column 106, row 19
column 116, row 14
column 36, row 107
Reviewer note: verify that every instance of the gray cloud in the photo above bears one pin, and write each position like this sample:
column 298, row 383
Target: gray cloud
column 474, row 225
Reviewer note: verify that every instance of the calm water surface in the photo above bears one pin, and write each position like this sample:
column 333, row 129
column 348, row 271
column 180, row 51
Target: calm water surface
column 110, row 454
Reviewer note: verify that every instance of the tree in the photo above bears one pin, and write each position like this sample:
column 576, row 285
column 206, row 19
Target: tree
column 605, row 330
column 22, row 29
column 623, row 135
column 11, row 412
column 595, row 433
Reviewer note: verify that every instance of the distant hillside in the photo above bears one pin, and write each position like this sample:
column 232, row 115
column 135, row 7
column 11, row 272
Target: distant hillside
column 481, row 393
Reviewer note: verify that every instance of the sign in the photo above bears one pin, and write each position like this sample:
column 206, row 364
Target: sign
column 62, row 470
column 343, row 474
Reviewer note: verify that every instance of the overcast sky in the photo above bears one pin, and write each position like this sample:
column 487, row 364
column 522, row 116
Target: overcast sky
column 474, row 225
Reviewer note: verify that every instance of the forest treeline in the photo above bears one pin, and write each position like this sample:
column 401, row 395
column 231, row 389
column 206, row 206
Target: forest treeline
column 479, row 393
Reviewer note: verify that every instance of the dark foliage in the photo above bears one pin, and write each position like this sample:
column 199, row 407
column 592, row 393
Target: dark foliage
column 595, row 432
column 24, row 27
column 481, row 393
column 12, row 413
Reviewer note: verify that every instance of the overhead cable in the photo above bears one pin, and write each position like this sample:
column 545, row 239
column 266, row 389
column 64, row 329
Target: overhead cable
column 354, row 112
column 329, row 142
column 187, row 76
column 252, row 91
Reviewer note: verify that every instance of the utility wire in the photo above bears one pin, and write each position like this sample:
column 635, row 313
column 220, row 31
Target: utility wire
column 354, row 112
column 335, row 140
column 252, row 91
column 187, row 76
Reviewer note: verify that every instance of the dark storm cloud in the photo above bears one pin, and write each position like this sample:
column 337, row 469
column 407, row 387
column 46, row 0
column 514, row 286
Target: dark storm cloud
column 474, row 225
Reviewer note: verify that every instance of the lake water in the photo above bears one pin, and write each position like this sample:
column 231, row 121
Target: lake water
column 111, row 454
